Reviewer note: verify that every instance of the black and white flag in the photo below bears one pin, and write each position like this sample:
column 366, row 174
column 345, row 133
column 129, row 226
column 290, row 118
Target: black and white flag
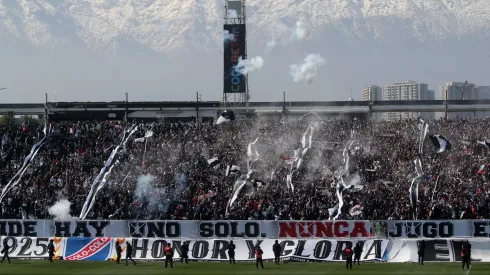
column 225, row 117
column 232, row 170
column 214, row 161
column 486, row 143
column 440, row 142
column 356, row 210
column 148, row 134
column 252, row 154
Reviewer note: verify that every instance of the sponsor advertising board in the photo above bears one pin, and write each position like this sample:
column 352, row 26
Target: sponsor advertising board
column 88, row 249
column 247, row 229
column 234, row 49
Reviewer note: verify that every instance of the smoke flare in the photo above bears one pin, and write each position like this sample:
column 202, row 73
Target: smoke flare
column 300, row 32
column 245, row 66
column 270, row 45
column 61, row 210
column 232, row 14
column 308, row 70
column 228, row 36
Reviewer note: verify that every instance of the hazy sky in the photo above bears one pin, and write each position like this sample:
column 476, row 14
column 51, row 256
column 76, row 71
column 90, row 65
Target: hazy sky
column 76, row 73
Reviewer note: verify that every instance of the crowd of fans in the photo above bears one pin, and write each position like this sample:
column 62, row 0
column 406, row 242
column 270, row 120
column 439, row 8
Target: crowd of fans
column 180, row 172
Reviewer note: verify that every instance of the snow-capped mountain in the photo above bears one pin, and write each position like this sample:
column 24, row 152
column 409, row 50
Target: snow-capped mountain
column 169, row 49
column 178, row 25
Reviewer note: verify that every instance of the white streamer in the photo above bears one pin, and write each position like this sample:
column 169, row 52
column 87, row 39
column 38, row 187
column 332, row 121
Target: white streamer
column 435, row 187
column 92, row 194
column 311, row 113
column 101, row 185
column 289, row 182
column 102, row 170
column 27, row 162
column 353, row 185
column 241, row 183
column 414, row 187
column 253, row 155
column 341, row 201
column 424, row 130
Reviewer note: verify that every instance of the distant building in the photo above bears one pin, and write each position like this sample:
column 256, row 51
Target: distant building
column 373, row 93
column 458, row 91
column 431, row 95
column 406, row 90
column 455, row 91
column 483, row 92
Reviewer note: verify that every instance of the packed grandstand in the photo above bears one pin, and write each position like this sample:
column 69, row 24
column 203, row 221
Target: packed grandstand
column 247, row 170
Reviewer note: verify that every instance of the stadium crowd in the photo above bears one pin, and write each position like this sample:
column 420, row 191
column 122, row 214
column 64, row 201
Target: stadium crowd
column 189, row 163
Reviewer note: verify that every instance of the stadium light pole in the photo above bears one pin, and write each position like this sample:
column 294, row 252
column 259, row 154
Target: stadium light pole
column 126, row 109
column 284, row 102
column 198, row 98
column 464, row 88
column 46, row 111
column 445, row 109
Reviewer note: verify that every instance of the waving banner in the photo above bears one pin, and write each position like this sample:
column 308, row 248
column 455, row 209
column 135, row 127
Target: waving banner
column 244, row 229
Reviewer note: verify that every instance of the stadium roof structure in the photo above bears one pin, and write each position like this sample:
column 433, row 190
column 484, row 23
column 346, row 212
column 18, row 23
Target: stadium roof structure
column 116, row 109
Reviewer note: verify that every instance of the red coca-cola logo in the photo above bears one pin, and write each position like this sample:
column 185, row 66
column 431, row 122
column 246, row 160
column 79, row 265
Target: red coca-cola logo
column 90, row 249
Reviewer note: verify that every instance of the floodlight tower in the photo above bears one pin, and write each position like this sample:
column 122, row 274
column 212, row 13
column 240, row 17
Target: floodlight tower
column 235, row 85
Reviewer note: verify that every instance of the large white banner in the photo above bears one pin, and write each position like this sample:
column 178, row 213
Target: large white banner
column 32, row 247
column 151, row 249
column 216, row 250
column 226, row 229
column 186, row 229
column 441, row 250
column 101, row 249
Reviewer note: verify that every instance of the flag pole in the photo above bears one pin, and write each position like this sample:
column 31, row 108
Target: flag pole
column 144, row 152
column 146, row 142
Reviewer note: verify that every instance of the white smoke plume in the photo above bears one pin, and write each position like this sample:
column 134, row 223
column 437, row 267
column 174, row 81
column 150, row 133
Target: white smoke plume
column 232, row 14
column 245, row 66
column 308, row 70
column 158, row 199
column 61, row 210
column 146, row 192
column 143, row 185
column 300, row 32
column 181, row 184
column 270, row 45
column 355, row 180
column 228, row 36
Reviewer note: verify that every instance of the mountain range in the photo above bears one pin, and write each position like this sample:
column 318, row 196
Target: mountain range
column 99, row 49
